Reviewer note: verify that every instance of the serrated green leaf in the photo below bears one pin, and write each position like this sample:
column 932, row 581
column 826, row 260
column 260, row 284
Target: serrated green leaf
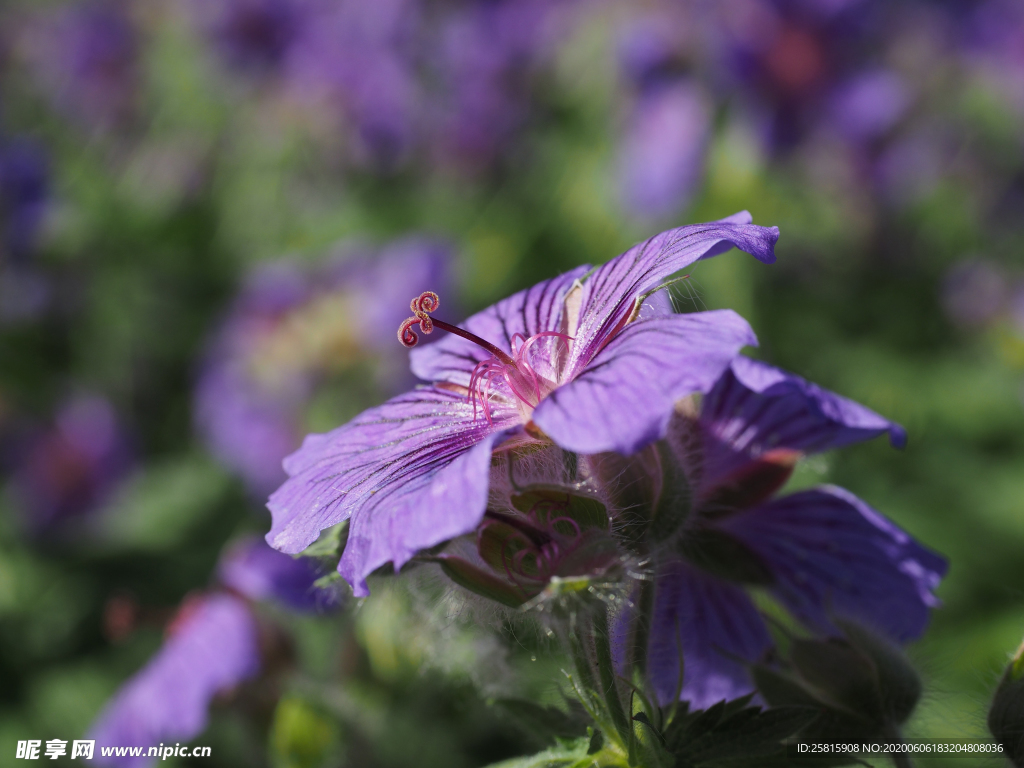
column 545, row 722
column 567, row 755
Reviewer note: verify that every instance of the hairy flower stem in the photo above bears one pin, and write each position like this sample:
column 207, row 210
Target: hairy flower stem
column 606, row 670
column 642, row 630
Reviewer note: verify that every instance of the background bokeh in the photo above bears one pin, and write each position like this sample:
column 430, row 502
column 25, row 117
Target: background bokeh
column 210, row 214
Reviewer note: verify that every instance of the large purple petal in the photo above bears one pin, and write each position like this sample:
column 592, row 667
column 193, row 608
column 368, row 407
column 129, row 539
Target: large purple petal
column 625, row 397
column 528, row 312
column 834, row 556
column 167, row 700
column 609, row 294
column 715, row 625
column 411, row 473
column 756, row 407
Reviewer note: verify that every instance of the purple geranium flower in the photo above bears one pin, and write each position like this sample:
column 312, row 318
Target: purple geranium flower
column 214, row 647
column 485, row 56
column 588, row 360
column 265, row 363
column 823, row 553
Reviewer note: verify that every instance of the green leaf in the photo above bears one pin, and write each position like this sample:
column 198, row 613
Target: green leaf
column 733, row 734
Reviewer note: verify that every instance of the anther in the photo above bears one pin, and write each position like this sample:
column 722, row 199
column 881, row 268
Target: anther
column 428, row 302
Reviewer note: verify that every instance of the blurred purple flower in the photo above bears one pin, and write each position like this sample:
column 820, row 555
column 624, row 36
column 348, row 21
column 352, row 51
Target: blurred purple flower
column 994, row 43
column 869, row 104
column 486, row 55
column 70, row 469
column 213, row 647
column 87, row 57
column 661, row 157
column 257, row 35
column 24, row 193
column 974, row 293
column 358, row 57
column 253, row 569
column 661, row 160
column 289, row 329
column 560, row 362
column 802, row 66
column 24, row 196
column 823, row 553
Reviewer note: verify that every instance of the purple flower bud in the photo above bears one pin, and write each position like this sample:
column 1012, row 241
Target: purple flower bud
column 1006, row 716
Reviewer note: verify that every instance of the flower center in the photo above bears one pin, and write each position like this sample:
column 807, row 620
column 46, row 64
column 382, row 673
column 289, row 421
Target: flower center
column 516, row 372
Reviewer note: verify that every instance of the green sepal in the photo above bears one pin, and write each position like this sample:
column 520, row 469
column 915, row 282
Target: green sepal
column 840, row 675
column 480, row 582
column 498, row 541
column 327, row 580
column 723, row 555
column 675, row 500
column 330, row 544
column 898, row 683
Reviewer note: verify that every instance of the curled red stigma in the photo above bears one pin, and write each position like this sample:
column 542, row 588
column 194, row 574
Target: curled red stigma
column 422, row 306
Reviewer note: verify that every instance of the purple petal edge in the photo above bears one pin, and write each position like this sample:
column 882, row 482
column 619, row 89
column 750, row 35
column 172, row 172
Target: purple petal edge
column 451, row 505
column 858, row 421
column 610, row 292
column 387, row 457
